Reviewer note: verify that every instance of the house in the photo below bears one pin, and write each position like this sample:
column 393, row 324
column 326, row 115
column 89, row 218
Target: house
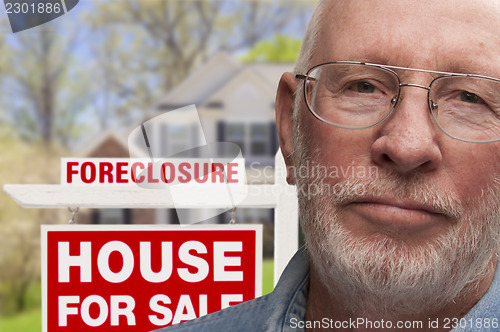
column 235, row 103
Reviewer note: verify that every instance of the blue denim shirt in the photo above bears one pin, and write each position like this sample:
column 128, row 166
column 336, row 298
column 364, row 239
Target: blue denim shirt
column 284, row 309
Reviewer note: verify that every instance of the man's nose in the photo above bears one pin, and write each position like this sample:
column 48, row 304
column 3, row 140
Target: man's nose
column 406, row 141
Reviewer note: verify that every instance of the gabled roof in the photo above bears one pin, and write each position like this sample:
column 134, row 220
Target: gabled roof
column 205, row 83
column 202, row 83
column 211, row 82
column 108, row 144
column 245, row 76
column 270, row 72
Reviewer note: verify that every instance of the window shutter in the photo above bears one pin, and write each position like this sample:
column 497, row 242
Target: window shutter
column 127, row 216
column 273, row 138
column 221, row 131
column 164, row 141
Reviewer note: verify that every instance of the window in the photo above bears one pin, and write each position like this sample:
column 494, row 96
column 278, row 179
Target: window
column 254, row 139
column 236, row 133
column 177, row 138
column 259, row 139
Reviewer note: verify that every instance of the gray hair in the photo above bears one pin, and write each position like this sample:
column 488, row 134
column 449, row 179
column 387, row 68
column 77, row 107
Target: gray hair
column 309, row 46
column 310, row 42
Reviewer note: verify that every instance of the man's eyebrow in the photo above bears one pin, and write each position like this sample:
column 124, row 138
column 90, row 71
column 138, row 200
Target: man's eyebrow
column 378, row 59
column 449, row 67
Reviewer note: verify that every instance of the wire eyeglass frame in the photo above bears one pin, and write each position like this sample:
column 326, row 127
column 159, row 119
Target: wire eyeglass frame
column 394, row 101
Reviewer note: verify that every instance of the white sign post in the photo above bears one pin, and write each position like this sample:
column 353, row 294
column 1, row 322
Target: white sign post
column 280, row 196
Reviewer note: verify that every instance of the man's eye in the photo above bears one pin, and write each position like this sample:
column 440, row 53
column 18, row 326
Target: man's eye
column 470, row 97
column 363, row 87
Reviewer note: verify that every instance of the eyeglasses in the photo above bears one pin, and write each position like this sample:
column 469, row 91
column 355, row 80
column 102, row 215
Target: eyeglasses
column 357, row 95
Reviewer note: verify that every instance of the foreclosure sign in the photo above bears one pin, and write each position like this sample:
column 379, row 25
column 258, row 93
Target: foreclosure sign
column 139, row 278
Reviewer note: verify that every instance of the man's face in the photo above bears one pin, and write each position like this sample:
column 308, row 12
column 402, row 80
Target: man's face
column 424, row 200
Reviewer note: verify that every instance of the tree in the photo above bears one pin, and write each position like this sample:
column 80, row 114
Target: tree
column 280, row 49
column 42, row 93
column 146, row 48
column 22, row 162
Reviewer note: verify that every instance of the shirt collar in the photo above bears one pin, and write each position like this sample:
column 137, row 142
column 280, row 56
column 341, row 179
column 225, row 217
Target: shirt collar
column 292, row 290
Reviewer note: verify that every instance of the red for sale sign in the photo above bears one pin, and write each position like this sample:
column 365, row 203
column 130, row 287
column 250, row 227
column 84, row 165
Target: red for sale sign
column 140, row 278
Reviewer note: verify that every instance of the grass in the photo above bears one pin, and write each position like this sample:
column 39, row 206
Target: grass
column 30, row 320
column 267, row 276
column 27, row 321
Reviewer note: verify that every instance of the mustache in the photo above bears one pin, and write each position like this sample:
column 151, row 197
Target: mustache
column 388, row 186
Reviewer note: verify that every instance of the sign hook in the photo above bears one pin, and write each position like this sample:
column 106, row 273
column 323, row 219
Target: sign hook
column 73, row 211
column 232, row 221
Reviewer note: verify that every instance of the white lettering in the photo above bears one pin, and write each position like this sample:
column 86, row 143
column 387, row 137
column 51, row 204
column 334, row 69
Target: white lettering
column 203, row 305
column 64, row 310
column 116, row 311
column 65, row 261
column 184, row 304
column 227, row 299
column 103, row 261
column 166, row 262
column 195, row 261
column 156, row 307
column 103, row 310
column 221, row 261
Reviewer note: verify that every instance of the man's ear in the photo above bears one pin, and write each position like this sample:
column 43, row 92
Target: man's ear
column 284, row 110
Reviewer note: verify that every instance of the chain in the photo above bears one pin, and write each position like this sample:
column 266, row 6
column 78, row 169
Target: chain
column 74, row 212
column 233, row 218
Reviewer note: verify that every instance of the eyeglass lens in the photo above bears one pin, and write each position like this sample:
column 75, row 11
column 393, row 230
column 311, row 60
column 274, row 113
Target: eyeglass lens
column 359, row 96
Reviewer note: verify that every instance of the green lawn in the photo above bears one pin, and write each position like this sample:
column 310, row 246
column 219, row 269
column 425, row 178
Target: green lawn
column 267, row 276
column 28, row 321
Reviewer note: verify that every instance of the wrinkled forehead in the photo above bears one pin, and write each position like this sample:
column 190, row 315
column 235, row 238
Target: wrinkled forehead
column 444, row 35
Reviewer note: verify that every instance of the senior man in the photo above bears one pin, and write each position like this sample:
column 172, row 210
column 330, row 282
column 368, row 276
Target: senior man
column 409, row 89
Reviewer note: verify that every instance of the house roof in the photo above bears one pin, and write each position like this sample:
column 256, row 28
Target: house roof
column 270, row 72
column 202, row 83
column 208, row 83
column 211, row 78
column 108, row 144
column 245, row 76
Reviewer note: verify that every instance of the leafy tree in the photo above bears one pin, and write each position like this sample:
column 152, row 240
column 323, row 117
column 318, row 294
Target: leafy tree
column 43, row 92
column 280, row 49
column 22, row 162
column 145, row 48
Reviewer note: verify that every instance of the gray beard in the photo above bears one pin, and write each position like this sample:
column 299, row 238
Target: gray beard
column 381, row 276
